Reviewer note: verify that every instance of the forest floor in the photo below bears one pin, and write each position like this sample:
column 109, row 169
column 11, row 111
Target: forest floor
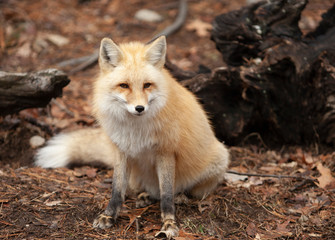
column 291, row 195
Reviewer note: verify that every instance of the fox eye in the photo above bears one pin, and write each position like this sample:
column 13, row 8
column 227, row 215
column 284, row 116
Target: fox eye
column 146, row 85
column 124, row 85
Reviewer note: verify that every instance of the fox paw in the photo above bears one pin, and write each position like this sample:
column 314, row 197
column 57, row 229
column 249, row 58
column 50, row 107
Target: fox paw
column 103, row 221
column 169, row 230
column 143, row 200
column 181, row 199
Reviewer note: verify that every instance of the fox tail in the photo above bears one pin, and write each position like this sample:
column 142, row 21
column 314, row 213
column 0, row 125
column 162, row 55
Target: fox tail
column 85, row 146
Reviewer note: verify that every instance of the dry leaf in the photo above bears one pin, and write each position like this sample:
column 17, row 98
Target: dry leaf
column 85, row 171
column 234, row 178
column 270, row 169
column 326, row 180
column 324, row 214
column 240, row 168
column 56, row 39
column 288, row 165
column 186, row 236
column 253, row 181
column 309, row 160
column 53, row 203
column 24, row 51
column 251, row 229
column 257, row 237
column 281, row 228
column 91, row 173
column 201, row 28
column 149, row 227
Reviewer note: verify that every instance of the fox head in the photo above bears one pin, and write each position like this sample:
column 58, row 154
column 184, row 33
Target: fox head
column 132, row 79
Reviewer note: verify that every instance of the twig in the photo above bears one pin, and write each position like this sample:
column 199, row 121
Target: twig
column 273, row 212
column 92, row 59
column 137, row 227
column 45, row 127
column 258, row 136
column 89, row 60
column 135, row 220
column 268, row 175
column 180, row 19
column 63, row 108
column 74, row 61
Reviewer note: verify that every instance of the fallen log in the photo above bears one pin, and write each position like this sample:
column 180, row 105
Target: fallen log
column 277, row 84
column 27, row 90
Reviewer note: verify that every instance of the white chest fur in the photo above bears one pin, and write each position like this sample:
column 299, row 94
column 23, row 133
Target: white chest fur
column 134, row 136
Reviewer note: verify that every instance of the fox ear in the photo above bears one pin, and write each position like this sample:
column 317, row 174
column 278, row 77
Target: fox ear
column 156, row 52
column 110, row 54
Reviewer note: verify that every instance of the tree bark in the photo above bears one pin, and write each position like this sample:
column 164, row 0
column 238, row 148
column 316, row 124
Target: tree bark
column 277, row 85
column 26, row 90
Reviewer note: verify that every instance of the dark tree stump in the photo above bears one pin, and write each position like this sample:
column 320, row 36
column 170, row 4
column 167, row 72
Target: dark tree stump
column 26, row 90
column 277, row 84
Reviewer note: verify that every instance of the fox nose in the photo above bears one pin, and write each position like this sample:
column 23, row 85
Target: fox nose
column 139, row 108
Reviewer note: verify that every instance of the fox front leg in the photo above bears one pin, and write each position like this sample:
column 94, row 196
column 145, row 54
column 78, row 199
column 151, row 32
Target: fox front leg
column 119, row 186
column 166, row 176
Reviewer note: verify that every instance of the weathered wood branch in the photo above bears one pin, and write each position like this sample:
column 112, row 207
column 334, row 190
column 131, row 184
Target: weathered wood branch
column 26, row 90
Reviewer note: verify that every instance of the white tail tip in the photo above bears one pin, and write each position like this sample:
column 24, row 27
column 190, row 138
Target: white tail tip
column 54, row 154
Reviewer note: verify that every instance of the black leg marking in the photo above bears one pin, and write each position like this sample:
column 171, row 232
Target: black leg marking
column 106, row 219
column 120, row 178
column 114, row 205
column 167, row 205
column 166, row 167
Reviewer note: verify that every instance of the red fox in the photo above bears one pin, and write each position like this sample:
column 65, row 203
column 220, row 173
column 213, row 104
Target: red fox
column 153, row 133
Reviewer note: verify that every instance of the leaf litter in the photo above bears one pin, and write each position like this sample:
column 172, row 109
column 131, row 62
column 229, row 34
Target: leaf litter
column 36, row 203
